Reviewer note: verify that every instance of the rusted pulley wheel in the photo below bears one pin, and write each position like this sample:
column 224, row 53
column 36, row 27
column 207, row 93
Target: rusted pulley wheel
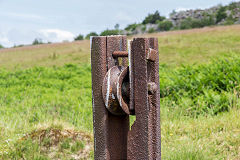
column 115, row 90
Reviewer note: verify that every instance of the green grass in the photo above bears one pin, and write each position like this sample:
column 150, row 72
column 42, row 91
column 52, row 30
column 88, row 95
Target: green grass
column 44, row 95
column 202, row 89
column 45, row 55
column 45, row 92
column 205, row 137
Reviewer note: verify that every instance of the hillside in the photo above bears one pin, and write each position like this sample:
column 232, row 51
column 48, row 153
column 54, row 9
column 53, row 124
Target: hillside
column 175, row 47
column 46, row 108
column 187, row 19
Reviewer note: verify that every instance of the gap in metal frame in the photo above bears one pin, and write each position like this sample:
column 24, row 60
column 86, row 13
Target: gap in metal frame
column 132, row 119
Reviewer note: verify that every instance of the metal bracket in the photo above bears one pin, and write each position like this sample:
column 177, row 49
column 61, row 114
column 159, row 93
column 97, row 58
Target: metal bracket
column 120, row 91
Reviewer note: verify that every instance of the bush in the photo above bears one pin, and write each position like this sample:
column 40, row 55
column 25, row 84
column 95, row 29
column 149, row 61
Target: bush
column 117, row 26
column 186, row 24
column 1, row 46
column 233, row 5
column 110, row 32
column 201, row 89
column 165, row 25
column 91, row 34
column 221, row 14
column 131, row 27
column 79, row 37
column 197, row 23
column 153, row 18
column 151, row 30
column 143, row 28
column 20, row 45
column 208, row 21
column 37, row 41
column 229, row 21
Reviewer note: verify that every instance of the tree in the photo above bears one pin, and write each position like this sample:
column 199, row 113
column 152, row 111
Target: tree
column 189, row 23
column 221, row 14
column 79, row 37
column 153, row 18
column 117, row 26
column 91, row 34
column 173, row 13
column 233, row 5
column 109, row 32
column 186, row 23
column 1, row 46
column 151, row 30
column 37, row 41
column 165, row 25
column 131, row 27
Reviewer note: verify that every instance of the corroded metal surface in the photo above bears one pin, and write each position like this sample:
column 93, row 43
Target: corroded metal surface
column 126, row 90
column 110, row 131
column 120, row 54
column 152, row 54
column 154, row 104
column 144, row 140
column 115, row 90
column 100, row 114
column 138, row 137
column 123, row 90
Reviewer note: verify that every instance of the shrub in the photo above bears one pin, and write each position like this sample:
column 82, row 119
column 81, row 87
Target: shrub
column 201, row 89
column 110, row 32
column 229, row 21
column 20, row 45
column 221, row 14
column 91, row 34
column 143, row 28
column 37, row 41
column 117, row 26
column 131, row 27
column 233, row 5
column 1, row 46
column 79, row 37
column 151, row 30
column 208, row 21
column 186, row 24
column 197, row 23
column 165, row 25
column 172, row 13
column 153, row 18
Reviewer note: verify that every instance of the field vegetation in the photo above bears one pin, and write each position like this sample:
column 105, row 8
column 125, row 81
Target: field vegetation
column 46, row 108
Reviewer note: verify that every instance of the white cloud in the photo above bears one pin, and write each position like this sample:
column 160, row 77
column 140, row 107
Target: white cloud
column 12, row 37
column 56, row 35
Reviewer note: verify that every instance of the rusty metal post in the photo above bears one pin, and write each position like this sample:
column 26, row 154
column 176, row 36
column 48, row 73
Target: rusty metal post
column 144, row 138
column 120, row 91
column 110, row 131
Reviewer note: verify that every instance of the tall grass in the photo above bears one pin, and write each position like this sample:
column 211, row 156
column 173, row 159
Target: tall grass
column 199, row 89
column 45, row 95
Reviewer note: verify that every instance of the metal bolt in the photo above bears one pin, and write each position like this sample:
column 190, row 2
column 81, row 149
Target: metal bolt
column 151, row 54
column 152, row 87
column 120, row 54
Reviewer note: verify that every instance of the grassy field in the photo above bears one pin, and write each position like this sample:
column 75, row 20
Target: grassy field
column 45, row 97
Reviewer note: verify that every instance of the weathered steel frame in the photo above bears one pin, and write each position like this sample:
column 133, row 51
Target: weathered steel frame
column 112, row 137
column 144, row 141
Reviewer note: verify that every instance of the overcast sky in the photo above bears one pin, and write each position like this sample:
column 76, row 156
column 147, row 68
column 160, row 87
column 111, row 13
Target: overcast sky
column 21, row 21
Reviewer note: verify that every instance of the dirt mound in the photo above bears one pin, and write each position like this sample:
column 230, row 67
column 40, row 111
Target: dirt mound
column 59, row 143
